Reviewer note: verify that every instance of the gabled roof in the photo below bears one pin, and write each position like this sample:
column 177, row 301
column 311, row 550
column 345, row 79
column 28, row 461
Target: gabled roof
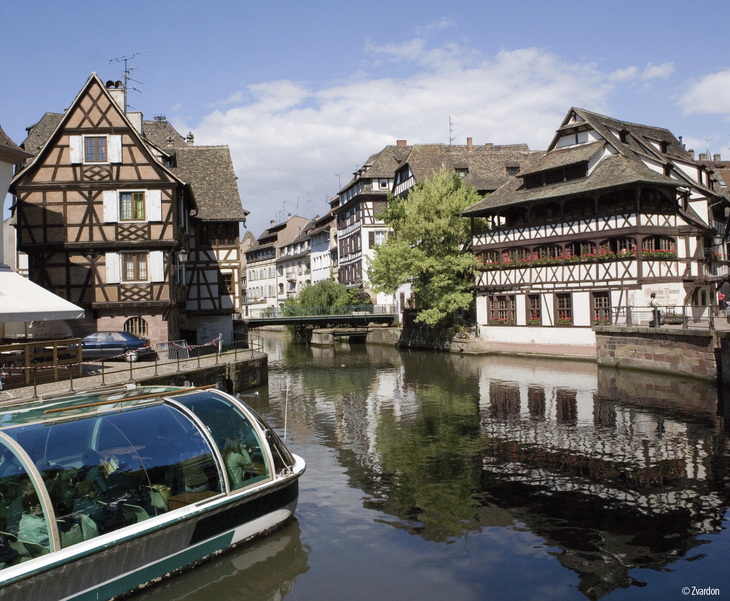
column 39, row 133
column 45, row 125
column 486, row 165
column 160, row 131
column 9, row 150
column 382, row 164
column 209, row 172
column 621, row 164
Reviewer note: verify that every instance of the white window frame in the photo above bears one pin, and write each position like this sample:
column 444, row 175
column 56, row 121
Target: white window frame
column 77, row 148
column 112, row 200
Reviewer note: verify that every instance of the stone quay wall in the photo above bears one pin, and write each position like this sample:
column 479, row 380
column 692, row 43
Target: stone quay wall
column 694, row 353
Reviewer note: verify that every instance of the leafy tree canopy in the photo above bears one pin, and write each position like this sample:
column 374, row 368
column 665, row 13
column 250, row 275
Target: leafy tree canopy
column 325, row 293
column 426, row 249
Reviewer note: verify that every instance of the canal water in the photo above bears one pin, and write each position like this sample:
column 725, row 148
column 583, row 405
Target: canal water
column 434, row 476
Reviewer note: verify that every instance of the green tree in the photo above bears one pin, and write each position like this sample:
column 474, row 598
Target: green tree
column 426, row 249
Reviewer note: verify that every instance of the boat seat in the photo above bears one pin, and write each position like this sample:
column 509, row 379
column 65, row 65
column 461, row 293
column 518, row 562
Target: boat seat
column 135, row 514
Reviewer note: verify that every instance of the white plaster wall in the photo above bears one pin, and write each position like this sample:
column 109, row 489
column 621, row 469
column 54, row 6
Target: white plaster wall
column 582, row 309
column 689, row 170
column 538, row 335
column 521, row 309
column 700, row 206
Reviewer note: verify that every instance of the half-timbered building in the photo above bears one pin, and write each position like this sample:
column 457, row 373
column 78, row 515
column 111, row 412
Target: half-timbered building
column 613, row 212
column 108, row 217
column 263, row 277
column 294, row 265
column 323, row 248
column 356, row 207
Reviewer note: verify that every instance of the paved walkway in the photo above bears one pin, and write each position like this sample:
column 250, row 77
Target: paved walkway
column 118, row 372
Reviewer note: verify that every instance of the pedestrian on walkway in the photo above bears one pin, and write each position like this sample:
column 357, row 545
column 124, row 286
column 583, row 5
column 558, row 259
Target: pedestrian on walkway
column 656, row 312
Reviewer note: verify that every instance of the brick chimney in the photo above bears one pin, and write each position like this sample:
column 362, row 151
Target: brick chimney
column 191, row 139
column 691, row 153
column 717, row 157
column 401, row 142
column 703, row 156
column 468, row 144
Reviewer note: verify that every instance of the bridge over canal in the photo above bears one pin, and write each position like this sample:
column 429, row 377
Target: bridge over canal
column 320, row 317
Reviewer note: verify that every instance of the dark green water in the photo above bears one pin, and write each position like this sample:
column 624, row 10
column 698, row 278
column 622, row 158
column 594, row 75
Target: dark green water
column 434, row 476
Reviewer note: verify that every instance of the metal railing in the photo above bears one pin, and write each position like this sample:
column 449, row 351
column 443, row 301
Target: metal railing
column 103, row 367
column 273, row 313
column 679, row 317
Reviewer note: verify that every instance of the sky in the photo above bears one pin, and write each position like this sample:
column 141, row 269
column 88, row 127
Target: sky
column 304, row 92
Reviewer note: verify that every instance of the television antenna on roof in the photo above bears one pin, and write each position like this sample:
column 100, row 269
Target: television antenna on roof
column 127, row 70
column 452, row 130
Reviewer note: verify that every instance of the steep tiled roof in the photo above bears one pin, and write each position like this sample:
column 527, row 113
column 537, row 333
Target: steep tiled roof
column 381, row 164
column 562, row 157
column 487, row 165
column 611, row 172
column 159, row 131
column 625, row 167
column 39, row 133
column 209, row 171
column 10, row 150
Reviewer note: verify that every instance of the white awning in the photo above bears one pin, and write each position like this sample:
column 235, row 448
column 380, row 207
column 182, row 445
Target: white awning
column 22, row 300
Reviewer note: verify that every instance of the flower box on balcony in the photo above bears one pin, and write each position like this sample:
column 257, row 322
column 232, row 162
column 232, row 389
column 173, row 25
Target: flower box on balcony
column 606, row 256
column 659, row 254
column 534, row 322
column 565, row 321
column 550, row 261
column 502, row 322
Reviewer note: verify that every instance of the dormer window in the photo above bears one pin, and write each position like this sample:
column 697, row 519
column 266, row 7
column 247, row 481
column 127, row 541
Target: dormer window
column 664, row 147
column 512, row 171
column 383, row 184
column 624, row 136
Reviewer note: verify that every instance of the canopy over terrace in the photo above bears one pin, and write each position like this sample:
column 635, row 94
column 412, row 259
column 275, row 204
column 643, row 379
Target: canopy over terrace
column 22, row 300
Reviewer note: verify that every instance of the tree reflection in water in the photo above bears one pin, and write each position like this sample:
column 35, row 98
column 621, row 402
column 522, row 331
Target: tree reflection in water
column 616, row 470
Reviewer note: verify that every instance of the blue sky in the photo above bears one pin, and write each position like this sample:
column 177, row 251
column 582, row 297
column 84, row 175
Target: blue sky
column 304, row 92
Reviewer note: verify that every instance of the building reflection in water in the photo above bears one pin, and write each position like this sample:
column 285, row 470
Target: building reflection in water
column 615, row 470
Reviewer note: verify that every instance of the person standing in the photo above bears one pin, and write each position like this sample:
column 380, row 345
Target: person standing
column 656, row 313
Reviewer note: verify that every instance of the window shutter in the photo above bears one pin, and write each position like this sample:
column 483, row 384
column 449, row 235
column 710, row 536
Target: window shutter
column 112, row 268
column 157, row 266
column 111, row 206
column 153, row 202
column 114, row 148
column 75, row 145
column 371, row 239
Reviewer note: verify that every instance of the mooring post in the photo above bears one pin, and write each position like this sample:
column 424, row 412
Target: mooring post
column 35, row 387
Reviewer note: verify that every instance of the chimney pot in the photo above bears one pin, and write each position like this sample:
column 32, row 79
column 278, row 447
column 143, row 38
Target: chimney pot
column 273, row 223
column 716, row 157
column 401, row 142
column 468, row 144
column 703, row 156
column 190, row 139
column 691, row 153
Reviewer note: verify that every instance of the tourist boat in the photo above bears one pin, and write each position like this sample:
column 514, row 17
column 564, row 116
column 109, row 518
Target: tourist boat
column 106, row 491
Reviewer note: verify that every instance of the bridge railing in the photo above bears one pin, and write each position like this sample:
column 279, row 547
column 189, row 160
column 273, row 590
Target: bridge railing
column 272, row 313
column 684, row 317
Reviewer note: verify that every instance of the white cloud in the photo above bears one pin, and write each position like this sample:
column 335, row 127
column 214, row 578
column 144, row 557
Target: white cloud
column 658, row 71
column 624, row 74
column 290, row 140
column 709, row 94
